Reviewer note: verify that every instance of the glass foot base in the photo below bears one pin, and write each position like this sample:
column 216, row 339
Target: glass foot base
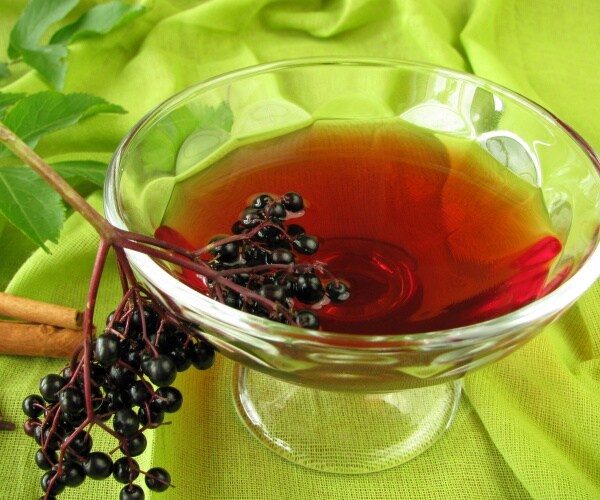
column 344, row 433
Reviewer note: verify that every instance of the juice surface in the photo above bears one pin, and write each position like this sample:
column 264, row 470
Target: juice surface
column 429, row 232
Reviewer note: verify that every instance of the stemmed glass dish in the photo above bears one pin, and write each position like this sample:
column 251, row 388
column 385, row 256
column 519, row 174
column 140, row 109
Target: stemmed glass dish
column 334, row 401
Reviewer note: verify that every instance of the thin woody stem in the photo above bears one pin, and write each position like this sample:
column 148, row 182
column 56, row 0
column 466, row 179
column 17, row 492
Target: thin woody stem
column 62, row 187
column 88, row 318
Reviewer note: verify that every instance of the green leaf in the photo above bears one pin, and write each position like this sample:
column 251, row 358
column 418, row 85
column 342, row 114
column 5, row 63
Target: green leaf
column 89, row 170
column 50, row 61
column 99, row 20
column 8, row 99
column 30, row 204
column 4, row 71
column 34, row 21
column 39, row 114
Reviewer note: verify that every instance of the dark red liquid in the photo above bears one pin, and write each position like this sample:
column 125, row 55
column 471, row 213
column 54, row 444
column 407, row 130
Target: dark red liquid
column 430, row 234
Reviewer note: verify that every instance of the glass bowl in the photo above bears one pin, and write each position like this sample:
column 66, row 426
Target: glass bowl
column 355, row 403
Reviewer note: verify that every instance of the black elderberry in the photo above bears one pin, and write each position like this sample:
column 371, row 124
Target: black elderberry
column 33, row 405
column 121, row 377
column 337, row 292
column 251, row 217
column 287, row 281
column 179, row 356
column 157, row 479
column 281, row 256
column 151, row 320
column 309, row 288
column 107, row 350
column 134, row 446
column 305, row 244
column 71, row 401
column 273, row 292
column 118, row 399
column 73, row 474
column 202, row 356
column 46, row 460
column 98, row 465
column 276, row 211
column 52, row 487
column 145, row 358
column 112, row 322
column 50, row 385
column 139, row 393
column 125, row 470
column 38, row 432
column 308, row 319
column 281, row 241
column 160, row 340
column 292, row 201
column 228, row 253
column 238, row 228
column 160, row 370
column 132, row 357
column 268, row 234
column 97, row 374
column 72, row 420
column 81, row 444
column 132, row 492
column 295, row 230
column 50, row 440
column 254, row 255
column 126, row 422
column 150, row 414
column 262, row 201
column 169, row 399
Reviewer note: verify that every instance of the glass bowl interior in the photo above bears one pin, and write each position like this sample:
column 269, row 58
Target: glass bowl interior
column 209, row 122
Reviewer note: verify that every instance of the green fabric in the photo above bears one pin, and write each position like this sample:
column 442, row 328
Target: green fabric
column 528, row 426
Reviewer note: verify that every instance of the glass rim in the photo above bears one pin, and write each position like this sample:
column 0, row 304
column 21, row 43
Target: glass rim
column 544, row 307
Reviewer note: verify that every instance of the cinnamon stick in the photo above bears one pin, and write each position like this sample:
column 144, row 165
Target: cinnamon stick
column 29, row 339
column 39, row 312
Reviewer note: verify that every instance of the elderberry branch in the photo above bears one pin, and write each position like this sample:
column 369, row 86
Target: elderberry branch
column 62, row 187
column 134, row 361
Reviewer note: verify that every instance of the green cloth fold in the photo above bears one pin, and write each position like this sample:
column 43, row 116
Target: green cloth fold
column 528, row 426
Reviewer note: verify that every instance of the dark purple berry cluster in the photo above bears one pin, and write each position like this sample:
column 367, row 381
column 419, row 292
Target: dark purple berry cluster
column 125, row 388
column 268, row 255
column 122, row 381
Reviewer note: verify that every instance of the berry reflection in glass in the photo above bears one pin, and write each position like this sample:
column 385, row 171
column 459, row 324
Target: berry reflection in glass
column 428, row 231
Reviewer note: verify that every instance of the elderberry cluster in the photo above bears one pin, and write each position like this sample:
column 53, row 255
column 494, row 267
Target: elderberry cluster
column 131, row 371
column 267, row 254
column 122, row 381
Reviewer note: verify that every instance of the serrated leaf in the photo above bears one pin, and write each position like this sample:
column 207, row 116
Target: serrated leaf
column 50, row 61
column 31, row 205
column 8, row 99
column 4, row 71
column 89, row 170
column 39, row 114
column 99, row 20
column 34, row 21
